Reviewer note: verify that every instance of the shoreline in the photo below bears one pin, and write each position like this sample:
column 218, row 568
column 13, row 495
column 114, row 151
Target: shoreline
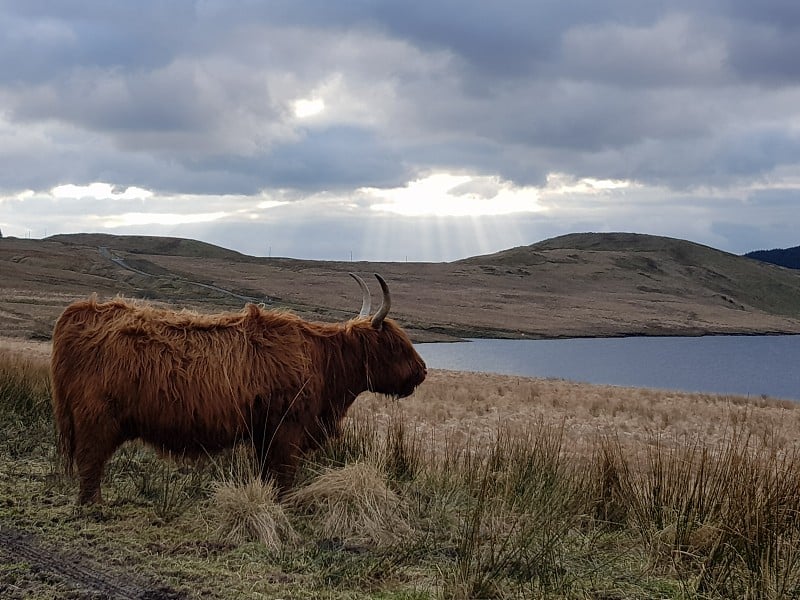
column 421, row 336
column 38, row 346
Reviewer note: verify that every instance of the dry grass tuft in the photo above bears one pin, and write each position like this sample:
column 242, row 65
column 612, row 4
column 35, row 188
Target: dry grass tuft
column 250, row 512
column 355, row 505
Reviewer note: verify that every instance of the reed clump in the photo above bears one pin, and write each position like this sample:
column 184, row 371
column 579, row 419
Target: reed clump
column 354, row 505
column 249, row 511
column 724, row 518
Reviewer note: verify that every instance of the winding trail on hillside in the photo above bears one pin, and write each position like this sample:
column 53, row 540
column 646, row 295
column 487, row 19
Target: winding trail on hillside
column 77, row 572
column 107, row 253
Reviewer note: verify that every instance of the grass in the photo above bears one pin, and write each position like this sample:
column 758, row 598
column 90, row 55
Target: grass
column 476, row 487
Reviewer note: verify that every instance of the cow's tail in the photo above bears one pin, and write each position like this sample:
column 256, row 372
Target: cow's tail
column 66, row 429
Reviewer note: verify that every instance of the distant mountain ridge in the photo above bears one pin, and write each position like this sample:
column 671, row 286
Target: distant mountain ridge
column 783, row 257
column 576, row 285
column 146, row 244
column 597, row 242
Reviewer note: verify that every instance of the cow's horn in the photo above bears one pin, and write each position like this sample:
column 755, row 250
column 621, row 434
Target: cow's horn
column 377, row 320
column 366, row 303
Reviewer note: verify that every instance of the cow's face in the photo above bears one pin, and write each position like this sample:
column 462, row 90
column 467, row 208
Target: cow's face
column 393, row 365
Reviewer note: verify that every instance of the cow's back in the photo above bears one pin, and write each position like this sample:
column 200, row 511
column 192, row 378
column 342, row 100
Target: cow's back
column 179, row 380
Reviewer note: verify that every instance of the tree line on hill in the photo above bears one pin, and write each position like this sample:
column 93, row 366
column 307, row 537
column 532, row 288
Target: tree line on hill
column 784, row 257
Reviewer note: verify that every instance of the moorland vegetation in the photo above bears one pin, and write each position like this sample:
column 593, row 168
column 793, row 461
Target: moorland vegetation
column 477, row 486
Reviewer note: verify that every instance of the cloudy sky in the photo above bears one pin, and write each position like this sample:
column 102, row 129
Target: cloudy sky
column 416, row 130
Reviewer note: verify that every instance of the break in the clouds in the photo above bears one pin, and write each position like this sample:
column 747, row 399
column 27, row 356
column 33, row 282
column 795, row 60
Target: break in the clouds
column 386, row 131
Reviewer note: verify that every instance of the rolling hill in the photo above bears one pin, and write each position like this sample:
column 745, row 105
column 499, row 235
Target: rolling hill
column 663, row 267
column 143, row 244
column 586, row 284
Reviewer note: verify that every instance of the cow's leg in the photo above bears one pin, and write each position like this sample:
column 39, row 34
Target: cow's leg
column 280, row 455
column 93, row 447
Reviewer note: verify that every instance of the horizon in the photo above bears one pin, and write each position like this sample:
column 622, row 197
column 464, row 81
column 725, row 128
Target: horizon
column 354, row 260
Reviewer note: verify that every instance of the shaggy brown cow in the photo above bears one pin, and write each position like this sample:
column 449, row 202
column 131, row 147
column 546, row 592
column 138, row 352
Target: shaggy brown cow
column 191, row 384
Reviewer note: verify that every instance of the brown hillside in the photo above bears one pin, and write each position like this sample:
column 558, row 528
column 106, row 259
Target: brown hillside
column 575, row 285
column 144, row 244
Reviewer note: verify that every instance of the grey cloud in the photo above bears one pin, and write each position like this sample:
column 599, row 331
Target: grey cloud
column 336, row 158
column 673, row 51
column 764, row 54
column 760, row 152
column 43, row 39
column 510, row 39
column 766, row 219
column 195, row 96
column 201, row 98
column 103, row 102
column 783, row 15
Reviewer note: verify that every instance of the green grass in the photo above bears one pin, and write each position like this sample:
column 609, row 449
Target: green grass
column 522, row 518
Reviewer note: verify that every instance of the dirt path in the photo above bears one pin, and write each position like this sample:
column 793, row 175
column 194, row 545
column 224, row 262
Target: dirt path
column 109, row 254
column 87, row 579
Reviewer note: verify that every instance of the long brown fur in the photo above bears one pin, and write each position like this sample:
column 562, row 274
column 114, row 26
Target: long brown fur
column 192, row 384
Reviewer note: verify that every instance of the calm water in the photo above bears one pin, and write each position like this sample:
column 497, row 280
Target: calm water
column 744, row 365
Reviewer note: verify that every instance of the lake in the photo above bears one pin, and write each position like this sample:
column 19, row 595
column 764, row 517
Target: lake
column 742, row 365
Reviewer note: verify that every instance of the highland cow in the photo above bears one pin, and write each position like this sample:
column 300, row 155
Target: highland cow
column 192, row 385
